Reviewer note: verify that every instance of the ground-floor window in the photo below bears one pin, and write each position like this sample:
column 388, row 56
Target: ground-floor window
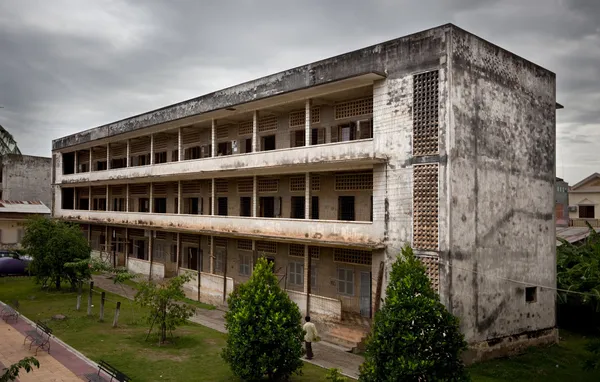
column 296, row 273
column 345, row 282
column 587, row 212
column 245, row 264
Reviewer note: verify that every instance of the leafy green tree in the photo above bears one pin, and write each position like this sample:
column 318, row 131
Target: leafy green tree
column 52, row 244
column 265, row 332
column 414, row 337
column 12, row 372
column 165, row 312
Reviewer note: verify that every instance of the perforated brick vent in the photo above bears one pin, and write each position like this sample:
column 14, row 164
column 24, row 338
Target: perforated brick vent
column 297, row 183
column 298, row 117
column 354, row 182
column 190, row 136
column 85, row 191
column 160, row 142
column 221, row 186
column 223, row 132
column 117, row 151
column 187, row 238
column 139, row 145
column 245, row 185
column 220, row 242
column 117, row 190
column 267, row 123
column 244, row 244
column 432, row 268
column 425, row 207
column 297, row 250
column 159, row 189
column 425, row 113
column 315, row 183
column 354, row 108
column 266, row 247
column 162, row 235
column 268, row 185
column 352, row 256
column 191, row 187
column 134, row 232
column 245, row 128
column 99, row 191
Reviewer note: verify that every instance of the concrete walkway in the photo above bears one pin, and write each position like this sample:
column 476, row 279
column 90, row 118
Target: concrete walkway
column 325, row 354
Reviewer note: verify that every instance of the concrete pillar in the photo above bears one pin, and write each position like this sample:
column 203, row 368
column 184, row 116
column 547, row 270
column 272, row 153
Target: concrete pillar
column 150, row 254
column 255, row 196
column 307, row 195
column 213, row 203
column 151, row 198
column 107, row 198
column 255, row 131
column 126, row 244
column 108, row 156
column 89, row 233
column 91, row 159
column 357, row 129
column 179, row 197
column 127, row 198
column 212, row 254
column 106, row 240
column 213, row 139
column 180, row 144
column 74, row 198
column 90, row 197
column 151, row 149
column 76, row 162
column 308, row 107
column 178, row 252
column 307, row 270
column 128, row 153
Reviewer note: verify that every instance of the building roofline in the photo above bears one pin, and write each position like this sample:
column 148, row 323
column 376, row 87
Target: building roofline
column 584, row 181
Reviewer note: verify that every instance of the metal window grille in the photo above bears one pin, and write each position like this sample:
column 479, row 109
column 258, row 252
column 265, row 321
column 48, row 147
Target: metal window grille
column 221, row 186
column 315, row 183
column 297, row 250
column 244, row 244
column 220, row 242
column 245, row 128
column 161, row 141
column 268, row 185
column 354, row 182
column 189, row 136
column 161, row 235
column 266, row 247
column 139, row 145
column 139, row 189
column 296, row 273
column 99, row 191
column 352, row 256
column 245, row 264
column 298, row 117
column 354, row 108
column 345, row 281
column 297, row 183
column 267, row 123
column 117, row 190
column 425, row 207
column 159, row 189
column 188, row 238
column 425, row 113
column 223, row 132
column 432, row 268
column 245, row 185
column 191, row 187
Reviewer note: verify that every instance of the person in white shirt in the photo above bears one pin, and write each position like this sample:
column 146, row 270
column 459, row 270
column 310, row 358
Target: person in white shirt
column 310, row 336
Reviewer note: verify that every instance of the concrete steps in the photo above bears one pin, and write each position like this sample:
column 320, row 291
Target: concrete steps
column 347, row 337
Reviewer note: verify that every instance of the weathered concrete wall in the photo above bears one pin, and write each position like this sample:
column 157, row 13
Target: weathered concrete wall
column 211, row 287
column 501, row 163
column 27, row 178
column 11, row 233
column 323, row 308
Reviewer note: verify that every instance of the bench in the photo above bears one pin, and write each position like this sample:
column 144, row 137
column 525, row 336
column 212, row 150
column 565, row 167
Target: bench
column 39, row 336
column 9, row 312
column 112, row 372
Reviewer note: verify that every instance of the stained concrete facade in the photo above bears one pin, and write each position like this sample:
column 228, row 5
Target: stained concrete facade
column 26, row 177
column 439, row 140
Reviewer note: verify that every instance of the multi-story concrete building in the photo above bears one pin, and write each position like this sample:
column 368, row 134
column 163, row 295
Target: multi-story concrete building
column 440, row 140
column 26, row 177
column 562, row 202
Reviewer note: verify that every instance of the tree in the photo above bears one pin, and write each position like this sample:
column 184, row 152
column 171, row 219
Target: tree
column 164, row 310
column 264, row 326
column 414, row 337
column 12, row 372
column 52, row 244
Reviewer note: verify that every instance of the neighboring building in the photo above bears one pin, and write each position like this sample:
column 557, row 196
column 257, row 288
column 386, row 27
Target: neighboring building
column 584, row 198
column 562, row 202
column 439, row 140
column 12, row 216
column 26, row 177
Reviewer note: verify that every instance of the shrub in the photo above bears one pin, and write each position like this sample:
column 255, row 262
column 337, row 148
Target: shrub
column 265, row 332
column 414, row 337
column 334, row 375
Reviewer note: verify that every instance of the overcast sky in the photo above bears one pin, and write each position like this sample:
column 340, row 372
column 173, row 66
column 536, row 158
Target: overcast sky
column 66, row 66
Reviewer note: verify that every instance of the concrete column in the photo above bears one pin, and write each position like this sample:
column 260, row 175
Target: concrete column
column 108, row 156
column 307, row 195
column 212, row 254
column 127, row 198
column 255, row 196
column 106, row 240
column 128, row 153
column 150, row 254
column 213, row 203
column 308, row 107
column 213, row 139
column 91, row 159
column 151, row 149
column 255, row 131
column 178, row 251
column 151, row 204
column 74, row 198
column 357, row 129
column 179, row 197
column 89, row 233
column 180, row 144
column 307, row 278
column 76, row 162
column 107, row 198
column 126, row 244
column 90, row 197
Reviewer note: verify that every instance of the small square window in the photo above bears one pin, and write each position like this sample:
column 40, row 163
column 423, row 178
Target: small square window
column 531, row 294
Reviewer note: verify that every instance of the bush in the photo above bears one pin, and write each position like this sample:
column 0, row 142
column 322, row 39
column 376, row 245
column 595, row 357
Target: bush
column 265, row 332
column 334, row 375
column 414, row 337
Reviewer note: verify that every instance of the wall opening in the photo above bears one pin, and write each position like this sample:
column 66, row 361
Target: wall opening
column 346, row 209
column 68, row 198
column 222, row 206
column 245, row 206
column 68, row 163
column 531, row 294
column 587, row 212
column 160, row 205
column 268, row 143
column 297, row 207
column 314, row 208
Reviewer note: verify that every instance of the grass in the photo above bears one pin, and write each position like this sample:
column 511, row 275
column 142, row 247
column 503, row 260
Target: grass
column 186, row 300
column 193, row 355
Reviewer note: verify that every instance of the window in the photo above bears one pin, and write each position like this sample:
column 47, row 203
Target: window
column 175, row 156
column 144, row 205
column 346, row 208
column 371, row 207
column 160, row 205
column 248, row 145
column 297, row 211
column 587, row 212
column 101, row 165
column 296, row 273
column 68, row 163
column 224, row 148
column 245, row 264
column 222, row 206
column 345, row 282
column 314, row 208
column 268, row 143
column 219, row 261
column 347, row 132
column 68, row 195
column 84, row 204
column 118, row 163
column 297, row 138
column 118, row 204
column 267, row 207
column 193, row 206
column 245, row 206
column 531, row 294
column 314, row 136
column 84, row 167
column 160, row 157
column 100, row 204
column 192, row 153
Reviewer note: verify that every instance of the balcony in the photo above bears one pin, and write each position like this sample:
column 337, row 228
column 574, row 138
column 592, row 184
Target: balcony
column 353, row 155
column 366, row 235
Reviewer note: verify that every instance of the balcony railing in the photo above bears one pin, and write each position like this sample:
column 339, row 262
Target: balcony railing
column 581, row 222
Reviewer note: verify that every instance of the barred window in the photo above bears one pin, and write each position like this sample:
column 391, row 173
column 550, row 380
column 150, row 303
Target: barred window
column 315, row 182
column 352, row 256
column 268, row 185
column 266, row 247
column 221, row 186
column 245, row 264
column 244, row 244
column 296, row 273
column 245, row 185
column 354, row 108
column 222, row 132
column 354, row 182
column 297, row 250
column 245, row 128
column 267, row 123
column 297, row 183
column 345, row 281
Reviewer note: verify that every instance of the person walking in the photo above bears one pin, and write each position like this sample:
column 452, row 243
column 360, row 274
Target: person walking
column 310, row 336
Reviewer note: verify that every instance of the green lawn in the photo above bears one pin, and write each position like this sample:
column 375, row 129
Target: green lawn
column 192, row 356
column 197, row 304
